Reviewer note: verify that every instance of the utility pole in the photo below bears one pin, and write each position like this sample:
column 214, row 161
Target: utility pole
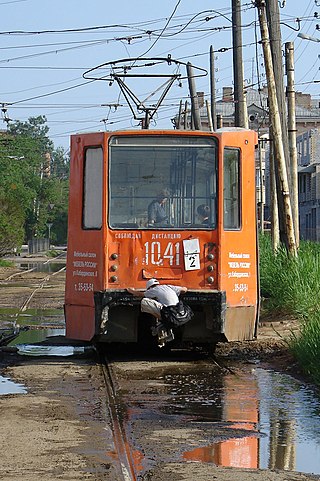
column 292, row 135
column 273, row 19
column 275, row 238
column 213, row 90
column 194, row 98
column 274, row 115
column 210, row 121
column 261, row 199
column 185, row 116
column 178, row 123
column 240, row 112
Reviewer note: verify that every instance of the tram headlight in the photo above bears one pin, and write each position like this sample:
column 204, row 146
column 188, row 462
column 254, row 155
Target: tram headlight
column 210, row 280
column 114, row 278
column 114, row 267
column 210, row 257
column 114, row 256
column 210, row 268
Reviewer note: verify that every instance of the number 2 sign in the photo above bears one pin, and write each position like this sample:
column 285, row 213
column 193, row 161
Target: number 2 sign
column 191, row 250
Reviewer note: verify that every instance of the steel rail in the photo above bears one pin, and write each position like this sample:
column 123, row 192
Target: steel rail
column 22, row 272
column 121, row 443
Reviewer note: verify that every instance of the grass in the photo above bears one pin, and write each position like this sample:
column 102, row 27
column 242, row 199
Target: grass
column 306, row 347
column 291, row 286
column 4, row 263
column 52, row 253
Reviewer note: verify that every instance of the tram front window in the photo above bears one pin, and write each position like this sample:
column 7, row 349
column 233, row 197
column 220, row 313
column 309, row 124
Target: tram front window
column 160, row 182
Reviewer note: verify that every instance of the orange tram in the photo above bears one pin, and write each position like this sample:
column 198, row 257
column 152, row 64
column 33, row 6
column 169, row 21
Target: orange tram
column 112, row 244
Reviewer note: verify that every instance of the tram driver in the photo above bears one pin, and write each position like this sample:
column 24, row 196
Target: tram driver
column 157, row 214
column 203, row 211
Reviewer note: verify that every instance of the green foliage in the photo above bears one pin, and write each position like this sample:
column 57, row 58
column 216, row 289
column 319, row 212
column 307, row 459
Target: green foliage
column 35, row 128
column 306, row 347
column 33, row 185
column 291, row 285
column 4, row 263
column 52, row 253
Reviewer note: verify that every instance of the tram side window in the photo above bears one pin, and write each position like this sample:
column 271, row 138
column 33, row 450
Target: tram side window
column 231, row 189
column 92, row 188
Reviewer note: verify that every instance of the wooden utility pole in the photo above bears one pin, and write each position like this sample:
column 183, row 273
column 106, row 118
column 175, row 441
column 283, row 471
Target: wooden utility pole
column 274, row 115
column 240, row 113
column 292, row 134
column 194, row 98
column 273, row 19
column 213, row 90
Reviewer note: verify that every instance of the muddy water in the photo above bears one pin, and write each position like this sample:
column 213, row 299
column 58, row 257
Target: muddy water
column 32, row 317
column 48, row 267
column 34, row 336
column 248, row 418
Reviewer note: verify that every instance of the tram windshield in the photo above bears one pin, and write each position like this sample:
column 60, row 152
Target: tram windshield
column 162, row 182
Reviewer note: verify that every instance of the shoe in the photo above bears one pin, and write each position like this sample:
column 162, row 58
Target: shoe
column 164, row 337
column 155, row 330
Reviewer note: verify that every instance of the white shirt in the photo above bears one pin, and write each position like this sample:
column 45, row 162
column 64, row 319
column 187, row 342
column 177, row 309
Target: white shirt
column 165, row 294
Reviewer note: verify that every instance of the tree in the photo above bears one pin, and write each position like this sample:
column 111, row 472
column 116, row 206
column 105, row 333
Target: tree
column 33, row 184
column 18, row 186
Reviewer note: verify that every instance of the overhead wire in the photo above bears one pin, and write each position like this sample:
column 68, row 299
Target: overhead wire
column 166, row 33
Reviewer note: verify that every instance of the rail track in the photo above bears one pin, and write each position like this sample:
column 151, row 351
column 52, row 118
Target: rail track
column 122, row 445
column 33, row 288
column 143, row 396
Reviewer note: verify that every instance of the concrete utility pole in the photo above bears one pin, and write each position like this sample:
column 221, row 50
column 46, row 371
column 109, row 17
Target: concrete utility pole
column 240, row 114
column 185, row 116
column 274, row 115
column 194, row 98
column 273, row 19
column 275, row 238
column 210, row 122
column 261, row 197
column 213, row 90
column 292, row 134
column 178, row 124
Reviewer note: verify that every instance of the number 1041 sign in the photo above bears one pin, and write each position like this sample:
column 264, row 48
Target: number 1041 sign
column 191, row 249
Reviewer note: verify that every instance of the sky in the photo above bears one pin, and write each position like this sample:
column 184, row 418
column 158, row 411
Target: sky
column 46, row 48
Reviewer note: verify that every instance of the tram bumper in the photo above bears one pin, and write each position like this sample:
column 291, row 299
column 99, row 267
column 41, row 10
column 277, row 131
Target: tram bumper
column 117, row 315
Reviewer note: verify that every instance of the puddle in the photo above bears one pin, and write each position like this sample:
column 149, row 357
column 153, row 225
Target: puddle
column 280, row 414
column 256, row 418
column 9, row 387
column 36, row 350
column 33, row 336
column 31, row 317
column 48, row 267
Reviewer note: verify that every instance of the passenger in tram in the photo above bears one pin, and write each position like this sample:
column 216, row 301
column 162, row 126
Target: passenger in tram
column 156, row 210
column 203, row 211
column 157, row 300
